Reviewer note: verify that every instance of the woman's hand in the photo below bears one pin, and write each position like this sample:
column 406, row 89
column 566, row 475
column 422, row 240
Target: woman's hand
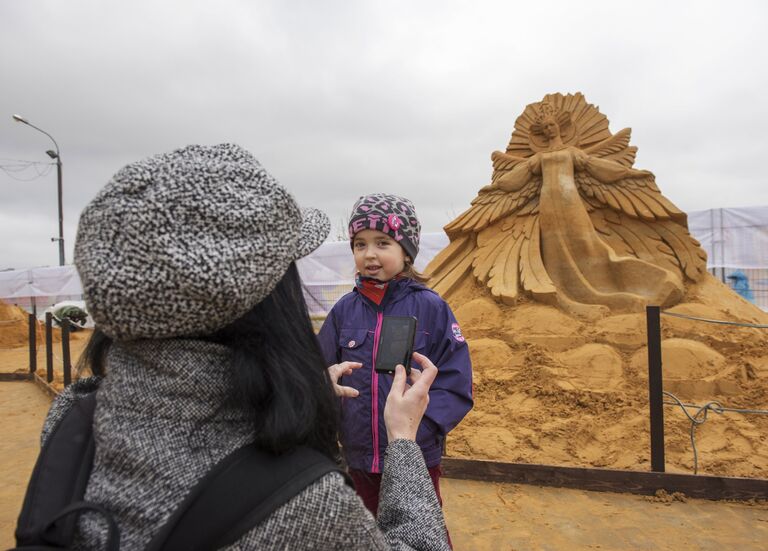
column 336, row 371
column 406, row 404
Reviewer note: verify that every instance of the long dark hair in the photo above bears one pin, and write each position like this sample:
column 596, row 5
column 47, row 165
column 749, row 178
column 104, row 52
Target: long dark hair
column 278, row 371
column 94, row 357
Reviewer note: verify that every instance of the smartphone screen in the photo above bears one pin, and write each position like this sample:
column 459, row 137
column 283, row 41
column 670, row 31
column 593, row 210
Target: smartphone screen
column 395, row 343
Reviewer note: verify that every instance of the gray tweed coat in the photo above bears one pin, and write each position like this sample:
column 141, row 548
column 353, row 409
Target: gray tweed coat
column 163, row 420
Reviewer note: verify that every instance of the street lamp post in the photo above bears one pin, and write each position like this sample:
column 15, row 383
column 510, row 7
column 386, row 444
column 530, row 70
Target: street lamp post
column 53, row 155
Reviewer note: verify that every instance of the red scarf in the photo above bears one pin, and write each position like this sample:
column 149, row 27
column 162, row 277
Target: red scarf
column 373, row 289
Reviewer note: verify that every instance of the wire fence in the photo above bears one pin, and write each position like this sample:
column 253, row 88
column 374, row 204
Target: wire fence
column 700, row 416
column 699, row 413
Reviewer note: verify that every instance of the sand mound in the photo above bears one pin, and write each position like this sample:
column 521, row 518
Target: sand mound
column 595, row 367
column 14, row 328
column 552, row 389
column 626, row 331
column 479, row 316
column 544, row 326
column 691, row 369
column 497, row 355
column 682, row 359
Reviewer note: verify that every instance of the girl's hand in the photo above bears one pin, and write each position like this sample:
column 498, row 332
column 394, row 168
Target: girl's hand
column 336, row 371
column 406, row 404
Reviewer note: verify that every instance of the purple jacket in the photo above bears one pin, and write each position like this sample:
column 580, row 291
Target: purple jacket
column 349, row 333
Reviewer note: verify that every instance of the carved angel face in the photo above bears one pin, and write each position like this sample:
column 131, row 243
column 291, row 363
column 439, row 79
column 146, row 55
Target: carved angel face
column 549, row 128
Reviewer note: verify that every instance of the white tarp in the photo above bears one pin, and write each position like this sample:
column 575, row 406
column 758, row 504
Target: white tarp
column 45, row 286
column 734, row 238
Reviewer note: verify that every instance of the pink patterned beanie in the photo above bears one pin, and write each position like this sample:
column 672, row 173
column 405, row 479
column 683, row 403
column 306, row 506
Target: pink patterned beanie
column 390, row 214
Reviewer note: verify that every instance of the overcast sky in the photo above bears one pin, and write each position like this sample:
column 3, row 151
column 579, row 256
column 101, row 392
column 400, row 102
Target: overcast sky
column 339, row 99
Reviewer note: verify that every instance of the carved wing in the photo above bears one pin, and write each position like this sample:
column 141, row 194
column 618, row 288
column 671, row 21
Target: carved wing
column 616, row 148
column 505, row 256
column 665, row 243
column 508, row 257
column 635, row 195
column 493, row 203
column 496, row 240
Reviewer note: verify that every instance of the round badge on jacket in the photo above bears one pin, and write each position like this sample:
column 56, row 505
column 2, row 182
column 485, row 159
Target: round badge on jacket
column 457, row 332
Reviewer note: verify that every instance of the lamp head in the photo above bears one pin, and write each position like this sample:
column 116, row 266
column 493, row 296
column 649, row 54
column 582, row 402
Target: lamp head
column 19, row 118
column 52, row 154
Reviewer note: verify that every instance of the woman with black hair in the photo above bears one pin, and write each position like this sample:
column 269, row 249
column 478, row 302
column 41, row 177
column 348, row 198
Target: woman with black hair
column 204, row 345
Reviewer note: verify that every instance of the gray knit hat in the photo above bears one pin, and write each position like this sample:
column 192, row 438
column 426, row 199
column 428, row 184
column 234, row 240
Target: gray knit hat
column 390, row 214
column 186, row 242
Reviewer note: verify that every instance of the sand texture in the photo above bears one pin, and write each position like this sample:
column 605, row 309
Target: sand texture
column 554, row 389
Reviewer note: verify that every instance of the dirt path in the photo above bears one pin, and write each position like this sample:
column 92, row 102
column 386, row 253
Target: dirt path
column 22, row 410
column 480, row 516
column 495, row 517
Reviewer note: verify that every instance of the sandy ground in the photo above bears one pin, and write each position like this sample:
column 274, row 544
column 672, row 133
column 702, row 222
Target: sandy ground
column 490, row 517
column 480, row 516
column 22, row 409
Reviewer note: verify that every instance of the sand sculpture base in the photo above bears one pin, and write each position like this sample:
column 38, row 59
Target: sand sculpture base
column 553, row 389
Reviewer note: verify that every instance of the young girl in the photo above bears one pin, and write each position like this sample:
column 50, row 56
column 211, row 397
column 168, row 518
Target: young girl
column 384, row 234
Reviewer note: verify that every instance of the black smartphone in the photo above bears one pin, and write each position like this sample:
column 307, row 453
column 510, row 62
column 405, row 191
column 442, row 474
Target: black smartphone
column 395, row 343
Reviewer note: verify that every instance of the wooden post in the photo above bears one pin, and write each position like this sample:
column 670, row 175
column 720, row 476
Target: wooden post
column 655, row 388
column 65, row 351
column 32, row 320
column 49, row 346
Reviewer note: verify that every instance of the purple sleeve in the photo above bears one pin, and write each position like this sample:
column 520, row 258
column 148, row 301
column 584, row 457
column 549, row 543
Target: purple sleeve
column 328, row 338
column 450, row 397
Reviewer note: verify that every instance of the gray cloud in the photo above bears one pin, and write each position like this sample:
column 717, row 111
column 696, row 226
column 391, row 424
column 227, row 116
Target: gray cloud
column 343, row 98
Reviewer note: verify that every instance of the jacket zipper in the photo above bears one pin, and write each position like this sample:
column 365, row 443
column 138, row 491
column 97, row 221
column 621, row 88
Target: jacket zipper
column 375, row 394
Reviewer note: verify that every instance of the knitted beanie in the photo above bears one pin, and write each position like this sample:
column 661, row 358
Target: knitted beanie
column 390, row 214
column 184, row 243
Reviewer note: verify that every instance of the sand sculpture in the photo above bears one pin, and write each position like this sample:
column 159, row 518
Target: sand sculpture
column 567, row 220
column 547, row 273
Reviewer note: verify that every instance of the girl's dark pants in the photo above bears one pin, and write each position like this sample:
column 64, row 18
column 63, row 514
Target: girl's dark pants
column 367, row 486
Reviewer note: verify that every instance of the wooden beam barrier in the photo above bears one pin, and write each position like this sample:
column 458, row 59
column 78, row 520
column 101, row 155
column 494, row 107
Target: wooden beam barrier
column 606, row 480
column 23, row 376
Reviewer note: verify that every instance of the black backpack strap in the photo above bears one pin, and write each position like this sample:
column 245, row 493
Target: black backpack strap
column 51, row 537
column 59, row 479
column 242, row 490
